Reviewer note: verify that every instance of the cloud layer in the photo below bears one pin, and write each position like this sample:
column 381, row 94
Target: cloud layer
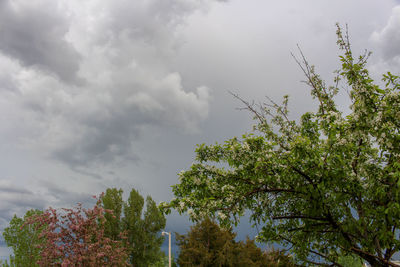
column 34, row 32
column 89, row 76
column 387, row 42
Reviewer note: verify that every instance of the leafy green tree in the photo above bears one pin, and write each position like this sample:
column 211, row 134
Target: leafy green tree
column 141, row 227
column 325, row 185
column 24, row 240
column 163, row 262
column 4, row 263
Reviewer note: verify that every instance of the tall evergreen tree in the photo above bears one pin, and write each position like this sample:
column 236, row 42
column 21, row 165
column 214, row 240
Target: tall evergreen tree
column 208, row 245
column 112, row 200
column 248, row 254
column 140, row 226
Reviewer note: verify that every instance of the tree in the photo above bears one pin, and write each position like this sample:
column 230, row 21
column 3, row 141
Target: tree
column 163, row 261
column 23, row 240
column 208, row 245
column 75, row 237
column 279, row 258
column 142, row 228
column 325, row 185
column 112, row 200
column 350, row 261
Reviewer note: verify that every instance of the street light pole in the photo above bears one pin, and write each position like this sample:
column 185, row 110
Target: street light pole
column 169, row 247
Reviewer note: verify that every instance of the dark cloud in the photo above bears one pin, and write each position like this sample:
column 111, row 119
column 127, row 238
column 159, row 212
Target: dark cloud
column 99, row 143
column 34, row 32
column 7, row 188
column 61, row 197
column 12, row 195
column 122, row 50
column 16, row 200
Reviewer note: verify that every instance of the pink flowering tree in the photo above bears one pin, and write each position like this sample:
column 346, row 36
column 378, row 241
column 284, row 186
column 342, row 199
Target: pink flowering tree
column 75, row 237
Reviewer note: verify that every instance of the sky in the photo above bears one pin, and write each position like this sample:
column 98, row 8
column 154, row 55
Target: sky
column 97, row 94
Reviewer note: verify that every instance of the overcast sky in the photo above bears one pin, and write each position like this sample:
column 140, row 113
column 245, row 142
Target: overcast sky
column 97, row 93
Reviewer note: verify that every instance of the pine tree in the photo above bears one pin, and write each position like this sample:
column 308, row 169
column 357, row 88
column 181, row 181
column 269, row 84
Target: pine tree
column 208, row 245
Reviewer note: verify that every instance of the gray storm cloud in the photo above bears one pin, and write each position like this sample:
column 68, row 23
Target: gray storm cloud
column 33, row 32
column 15, row 199
column 88, row 77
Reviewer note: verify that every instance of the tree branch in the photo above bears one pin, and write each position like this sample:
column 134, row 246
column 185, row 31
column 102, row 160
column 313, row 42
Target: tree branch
column 299, row 216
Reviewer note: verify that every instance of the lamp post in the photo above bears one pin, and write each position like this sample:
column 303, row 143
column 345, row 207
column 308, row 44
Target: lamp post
column 169, row 246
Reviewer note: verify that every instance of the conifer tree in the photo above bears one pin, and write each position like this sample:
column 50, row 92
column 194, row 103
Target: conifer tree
column 208, row 245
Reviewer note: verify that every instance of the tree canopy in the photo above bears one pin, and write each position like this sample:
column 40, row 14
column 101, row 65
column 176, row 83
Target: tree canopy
column 23, row 240
column 325, row 185
column 112, row 233
column 75, row 237
column 112, row 200
column 208, row 245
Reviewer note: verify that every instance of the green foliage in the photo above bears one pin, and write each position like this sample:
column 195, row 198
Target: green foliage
column 4, row 263
column 112, row 200
column 248, row 254
column 140, row 227
column 23, row 239
column 350, row 261
column 326, row 185
column 278, row 258
column 163, row 262
column 208, row 245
